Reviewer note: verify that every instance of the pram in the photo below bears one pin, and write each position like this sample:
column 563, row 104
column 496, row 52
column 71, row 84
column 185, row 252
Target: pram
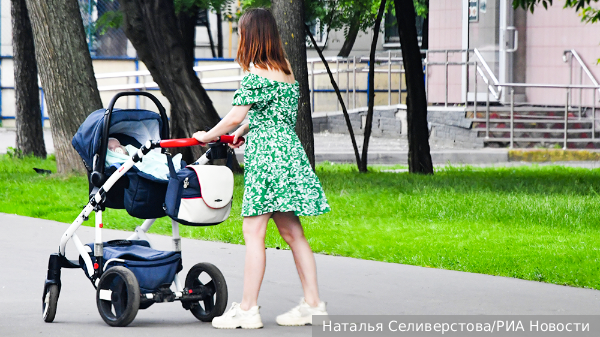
column 129, row 274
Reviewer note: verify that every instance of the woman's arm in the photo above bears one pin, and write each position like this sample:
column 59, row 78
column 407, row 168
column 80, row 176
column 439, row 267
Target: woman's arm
column 234, row 118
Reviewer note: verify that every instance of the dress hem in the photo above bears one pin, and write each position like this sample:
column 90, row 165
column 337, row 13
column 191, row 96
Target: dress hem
column 297, row 213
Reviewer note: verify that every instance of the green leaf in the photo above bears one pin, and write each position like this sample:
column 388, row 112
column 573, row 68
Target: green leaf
column 110, row 19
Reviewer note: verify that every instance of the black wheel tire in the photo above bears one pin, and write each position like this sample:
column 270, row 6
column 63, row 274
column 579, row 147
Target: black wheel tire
column 49, row 303
column 124, row 290
column 214, row 306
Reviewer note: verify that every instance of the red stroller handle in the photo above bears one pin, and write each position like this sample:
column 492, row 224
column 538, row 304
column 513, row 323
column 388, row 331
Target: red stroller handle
column 185, row 142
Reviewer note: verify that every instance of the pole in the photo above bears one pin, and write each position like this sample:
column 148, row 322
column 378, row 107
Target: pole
column 512, row 118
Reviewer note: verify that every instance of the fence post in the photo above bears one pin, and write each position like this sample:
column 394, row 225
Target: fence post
column 512, row 118
column 347, row 82
column 389, row 77
column 487, row 114
column 594, row 114
column 369, row 82
column 337, row 65
column 312, row 87
column 354, row 82
column 446, row 80
column 566, row 128
column 475, row 99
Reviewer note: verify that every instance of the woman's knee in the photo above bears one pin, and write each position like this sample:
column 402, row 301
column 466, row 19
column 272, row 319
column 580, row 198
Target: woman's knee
column 255, row 227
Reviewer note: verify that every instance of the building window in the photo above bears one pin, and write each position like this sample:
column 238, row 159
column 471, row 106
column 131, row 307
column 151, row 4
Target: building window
column 111, row 42
column 319, row 31
column 392, row 39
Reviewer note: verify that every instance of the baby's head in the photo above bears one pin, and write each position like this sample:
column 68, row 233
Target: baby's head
column 115, row 146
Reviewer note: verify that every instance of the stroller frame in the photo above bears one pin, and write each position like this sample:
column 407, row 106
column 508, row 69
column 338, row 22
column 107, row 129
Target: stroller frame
column 95, row 270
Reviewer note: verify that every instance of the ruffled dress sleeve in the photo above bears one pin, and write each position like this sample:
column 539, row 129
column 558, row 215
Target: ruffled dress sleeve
column 254, row 89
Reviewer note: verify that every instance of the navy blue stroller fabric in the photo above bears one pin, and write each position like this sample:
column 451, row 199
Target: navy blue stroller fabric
column 152, row 268
column 87, row 140
column 142, row 195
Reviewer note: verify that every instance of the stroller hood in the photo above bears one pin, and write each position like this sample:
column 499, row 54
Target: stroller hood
column 142, row 125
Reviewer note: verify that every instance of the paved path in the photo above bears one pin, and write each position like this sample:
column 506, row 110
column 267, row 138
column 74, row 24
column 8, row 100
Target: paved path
column 350, row 286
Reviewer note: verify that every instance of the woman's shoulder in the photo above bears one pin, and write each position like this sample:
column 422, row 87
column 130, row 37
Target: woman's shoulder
column 273, row 75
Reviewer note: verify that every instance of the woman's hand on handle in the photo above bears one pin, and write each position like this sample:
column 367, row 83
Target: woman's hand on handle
column 201, row 137
column 239, row 133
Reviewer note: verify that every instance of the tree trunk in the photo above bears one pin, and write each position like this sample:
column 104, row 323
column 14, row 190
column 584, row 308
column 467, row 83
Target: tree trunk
column 290, row 21
column 351, row 37
column 30, row 136
column 419, row 156
column 339, row 96
column 187, row 27
column 371, row 93
column 66, row 73
column 219, row 34
column 152, row 28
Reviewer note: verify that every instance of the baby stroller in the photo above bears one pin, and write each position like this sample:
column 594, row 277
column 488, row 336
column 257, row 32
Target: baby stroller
column 129, row 274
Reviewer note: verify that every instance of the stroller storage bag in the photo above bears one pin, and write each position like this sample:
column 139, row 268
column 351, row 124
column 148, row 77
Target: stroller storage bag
column 200, row 195
column 152, row 268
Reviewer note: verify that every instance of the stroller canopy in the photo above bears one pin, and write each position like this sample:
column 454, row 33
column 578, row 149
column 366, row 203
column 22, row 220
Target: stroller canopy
column 141, row 125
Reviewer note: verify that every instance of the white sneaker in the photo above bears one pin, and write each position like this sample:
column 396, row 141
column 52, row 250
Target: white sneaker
column 302, row 314
column 235, row 317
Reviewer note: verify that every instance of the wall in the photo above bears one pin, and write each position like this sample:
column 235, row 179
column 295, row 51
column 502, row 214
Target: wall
column 445, row 32
column 549, row 33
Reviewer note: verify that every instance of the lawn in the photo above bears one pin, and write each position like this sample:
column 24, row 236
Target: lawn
column 534, row 223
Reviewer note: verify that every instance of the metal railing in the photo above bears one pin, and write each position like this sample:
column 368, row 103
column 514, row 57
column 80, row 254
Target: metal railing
column 138, row 80
column 477, row 66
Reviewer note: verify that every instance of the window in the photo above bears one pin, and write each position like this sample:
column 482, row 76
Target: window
column 392, row 39
column 319, row 32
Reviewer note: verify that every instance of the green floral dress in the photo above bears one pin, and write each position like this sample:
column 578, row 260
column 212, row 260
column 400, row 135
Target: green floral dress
column 277, row 174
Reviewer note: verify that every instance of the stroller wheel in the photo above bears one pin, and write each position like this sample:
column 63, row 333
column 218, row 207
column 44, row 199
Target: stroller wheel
column 49, row 303
column 118, row 296
column 209, row 278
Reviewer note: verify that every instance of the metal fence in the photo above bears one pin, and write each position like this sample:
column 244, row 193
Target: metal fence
column 103, row 42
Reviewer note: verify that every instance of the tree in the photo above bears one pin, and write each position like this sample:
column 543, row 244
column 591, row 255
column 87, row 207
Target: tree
column 419, row 155
column 290, row 22
column 153, row 29
column 66, row 73
column 30, row 137
column 371, row 93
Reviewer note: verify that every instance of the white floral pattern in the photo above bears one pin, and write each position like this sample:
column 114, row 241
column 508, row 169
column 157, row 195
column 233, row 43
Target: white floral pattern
column 277, row 174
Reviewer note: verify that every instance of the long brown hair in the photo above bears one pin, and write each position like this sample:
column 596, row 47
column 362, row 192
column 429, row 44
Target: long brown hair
column 259, row 42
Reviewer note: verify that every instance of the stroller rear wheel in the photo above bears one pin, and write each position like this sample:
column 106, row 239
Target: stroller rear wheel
column 49, row 303
column 207, row 278
column 118, row 296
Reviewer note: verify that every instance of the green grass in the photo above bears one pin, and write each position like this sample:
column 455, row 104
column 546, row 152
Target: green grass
column 534, row 223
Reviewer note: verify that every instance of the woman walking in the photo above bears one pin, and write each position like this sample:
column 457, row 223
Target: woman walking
column 279, row 181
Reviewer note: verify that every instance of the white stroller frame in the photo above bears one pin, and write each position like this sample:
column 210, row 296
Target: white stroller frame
column 95, row 271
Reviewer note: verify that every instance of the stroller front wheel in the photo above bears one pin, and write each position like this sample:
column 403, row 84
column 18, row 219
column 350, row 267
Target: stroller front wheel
column 49, row 303
column 118, row 296
column 207, row 278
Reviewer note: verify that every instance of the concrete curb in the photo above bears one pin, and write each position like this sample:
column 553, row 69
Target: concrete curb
column 484, row 156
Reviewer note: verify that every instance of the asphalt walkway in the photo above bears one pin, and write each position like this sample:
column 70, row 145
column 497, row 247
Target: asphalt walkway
column 350, row 286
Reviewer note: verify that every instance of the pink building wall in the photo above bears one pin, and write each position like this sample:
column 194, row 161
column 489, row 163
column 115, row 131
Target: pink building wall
column 549, row 33
column 445, row 32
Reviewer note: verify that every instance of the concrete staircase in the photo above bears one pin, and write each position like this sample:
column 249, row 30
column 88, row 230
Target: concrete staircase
column 536, row 127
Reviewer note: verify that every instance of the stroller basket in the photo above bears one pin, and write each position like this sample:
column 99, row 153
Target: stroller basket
column 152, row 268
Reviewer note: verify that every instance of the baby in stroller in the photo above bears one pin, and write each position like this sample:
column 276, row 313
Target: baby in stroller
column 154, row 164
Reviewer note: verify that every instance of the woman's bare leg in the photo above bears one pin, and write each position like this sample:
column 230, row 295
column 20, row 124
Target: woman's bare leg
column 291, row 231
column 254, row 229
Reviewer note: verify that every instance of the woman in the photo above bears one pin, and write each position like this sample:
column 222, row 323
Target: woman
column 279, row 182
